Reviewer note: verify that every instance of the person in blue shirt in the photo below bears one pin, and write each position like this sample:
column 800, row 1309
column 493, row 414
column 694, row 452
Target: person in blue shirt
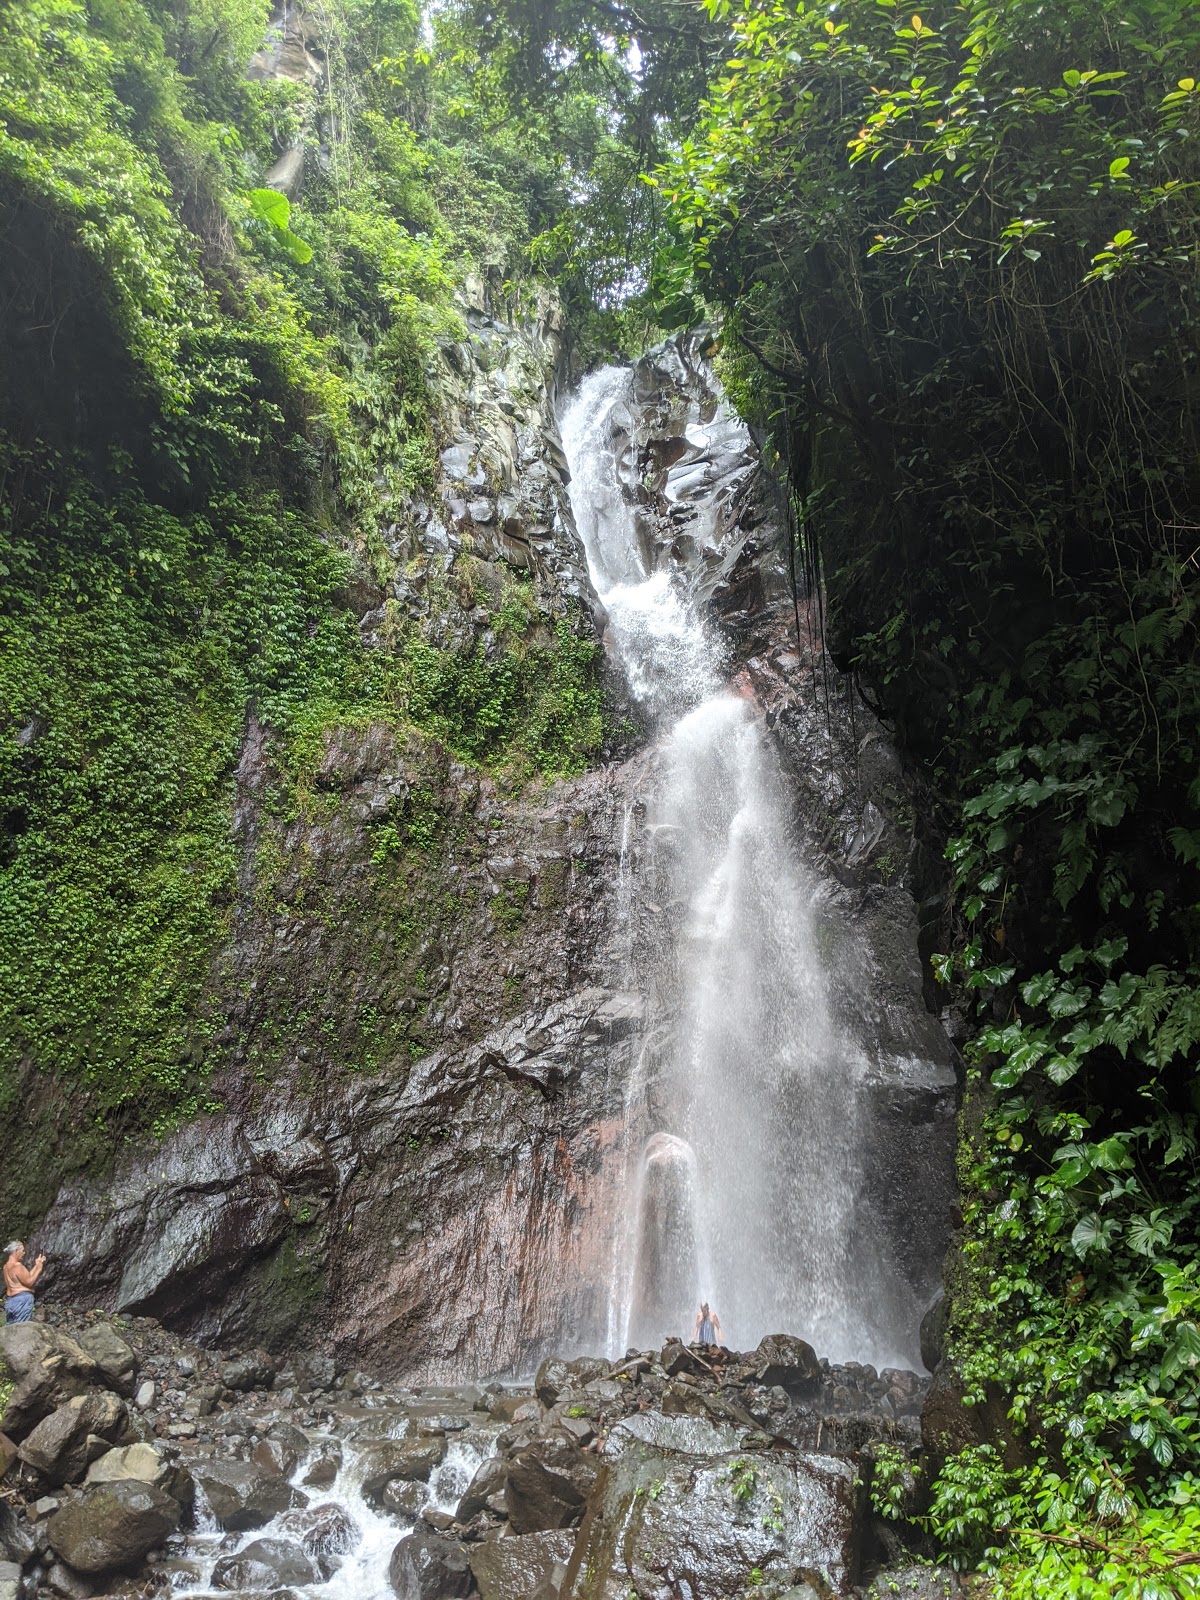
column 708, row 1327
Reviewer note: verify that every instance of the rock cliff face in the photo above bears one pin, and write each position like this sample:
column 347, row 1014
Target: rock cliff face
column 425, row 1024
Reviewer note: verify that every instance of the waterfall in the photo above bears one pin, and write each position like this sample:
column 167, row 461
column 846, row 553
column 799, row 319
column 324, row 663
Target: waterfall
column 743, row 1146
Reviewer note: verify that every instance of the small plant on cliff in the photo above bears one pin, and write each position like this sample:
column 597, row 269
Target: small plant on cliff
column 891, row 1482
column 743, row 1479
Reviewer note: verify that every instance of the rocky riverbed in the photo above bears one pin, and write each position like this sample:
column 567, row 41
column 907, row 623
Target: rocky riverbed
column 136, row 1462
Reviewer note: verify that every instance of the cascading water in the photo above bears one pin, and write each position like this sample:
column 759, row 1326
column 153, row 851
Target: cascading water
column 742, row 1117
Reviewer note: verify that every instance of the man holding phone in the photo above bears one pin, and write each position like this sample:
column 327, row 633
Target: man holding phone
column 18, row 1282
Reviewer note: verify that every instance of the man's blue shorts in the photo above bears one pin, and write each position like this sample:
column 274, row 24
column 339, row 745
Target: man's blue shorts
column 19, row 1307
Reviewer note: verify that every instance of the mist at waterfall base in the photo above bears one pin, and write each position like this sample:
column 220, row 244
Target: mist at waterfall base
column 744, row 1166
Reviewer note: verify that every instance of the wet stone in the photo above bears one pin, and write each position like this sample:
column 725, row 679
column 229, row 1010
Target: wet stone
column 487, row 1482
column 547, row 1486
column 404, row 1498
column 107, row 1527
column 325, row 1464
column 411, row 1459
column 264, row 1564
column 523, row 1568
column 428, row 1566
column 242, row 1496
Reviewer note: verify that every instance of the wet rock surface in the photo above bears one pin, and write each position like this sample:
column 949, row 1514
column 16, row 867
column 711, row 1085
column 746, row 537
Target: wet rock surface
column 672, row 1471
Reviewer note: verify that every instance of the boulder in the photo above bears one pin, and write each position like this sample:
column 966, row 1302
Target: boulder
column 428, row 1566
column 488, row 1481
column 282, row 1451
column 115, row 1360
column 948, row 1426
column 677, row 1358
column 783, row 1359
column 933, row 1332
column 10, row 1580
column 411, row 1459
column 68, row 1585
column 552, row 1378
column 324, row 1530
column 316, row 1372
column 241, row 1495
column 46, row 1368
column 691, row 1435
column 547, row 1486
column 586, row 1369
column 143, row 1463
column 109, row 1527
column 8, row 1453
column 255, row 1371
column 530, row 1567
column 61, row 1445
column 404, row 1498
column 661, row 1525
column 264, row 1564
column 325, row 1465
column 17, row 1540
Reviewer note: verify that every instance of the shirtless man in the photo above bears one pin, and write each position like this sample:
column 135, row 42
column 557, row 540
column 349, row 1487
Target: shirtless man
column 18, row 1283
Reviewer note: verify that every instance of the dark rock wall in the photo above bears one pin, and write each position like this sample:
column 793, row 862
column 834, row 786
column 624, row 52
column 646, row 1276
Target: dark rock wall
column 430, row 1182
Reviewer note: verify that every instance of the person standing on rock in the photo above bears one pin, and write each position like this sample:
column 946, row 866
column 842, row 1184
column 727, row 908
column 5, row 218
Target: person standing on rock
column 708, row 1327
column 18, row 1282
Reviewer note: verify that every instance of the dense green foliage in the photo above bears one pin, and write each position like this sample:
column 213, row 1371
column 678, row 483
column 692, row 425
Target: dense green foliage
column 957, row 252
column 212, row 403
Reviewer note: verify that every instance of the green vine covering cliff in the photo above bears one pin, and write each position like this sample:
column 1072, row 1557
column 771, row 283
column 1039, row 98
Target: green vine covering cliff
column 957, row 249
column 212, row 403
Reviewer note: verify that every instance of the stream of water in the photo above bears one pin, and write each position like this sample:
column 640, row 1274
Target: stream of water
column 742, row 1117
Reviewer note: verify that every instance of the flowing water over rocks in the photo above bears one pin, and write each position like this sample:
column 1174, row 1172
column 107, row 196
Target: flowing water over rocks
column 667, row 1473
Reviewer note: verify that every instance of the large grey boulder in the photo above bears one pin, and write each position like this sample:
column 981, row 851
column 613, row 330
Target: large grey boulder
column 488, row 1481
column 17, row 1539
column 253, row 1371
column 264, row 1564
column 783, row 1359
column 242, row 1496
column 142, row 1463
column 529, row 1567
column 282, row 1450
column 115, row 1360
column 934, row 1325
column 10, row 1580
column 110, row 1527
column 324, row 1530
column 410, row 1459
column 171, row 1228
column 552, row 1378
column 45, row 1367
column 426, row 1566
column 685, row 1434
column 661, row 1525
column 547, row 1486
column 63, row 1443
